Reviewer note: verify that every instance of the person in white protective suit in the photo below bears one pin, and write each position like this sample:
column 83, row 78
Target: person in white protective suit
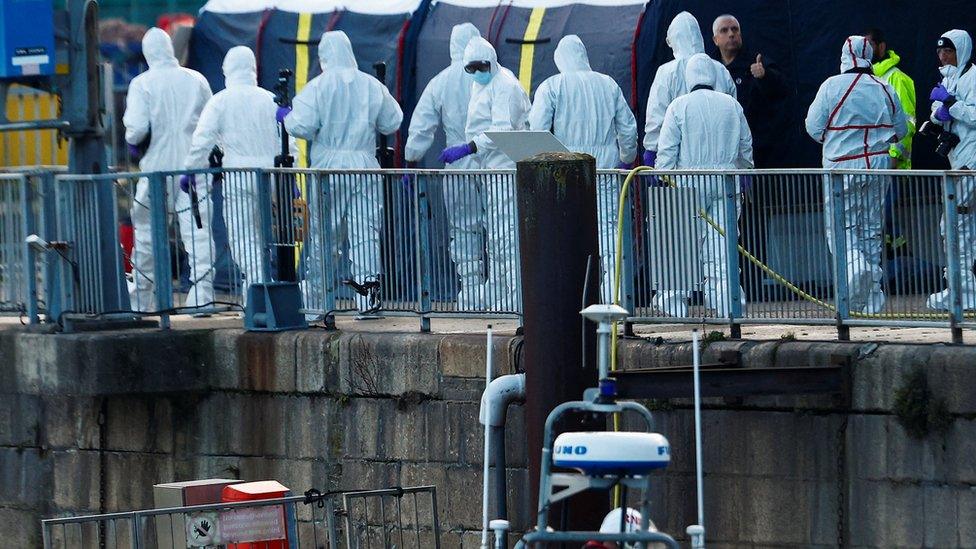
column 685, row 39
column 498, row 103
column 954, row 108
column 340, row 112
column 445, row 103
column 857, row 117
column 240, row 119
column 705, row 129
column 587, row 111
column 163, row 105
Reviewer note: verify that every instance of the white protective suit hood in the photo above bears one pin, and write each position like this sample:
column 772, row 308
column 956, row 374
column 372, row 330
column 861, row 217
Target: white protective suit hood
column 684, row 36
column 335, row 54
column 479, row 49
column 964, row 52
column 460, row 36
column 157, row 48
column 700, row 71
column 240, row 67
column 570, row 55
column 856, row 52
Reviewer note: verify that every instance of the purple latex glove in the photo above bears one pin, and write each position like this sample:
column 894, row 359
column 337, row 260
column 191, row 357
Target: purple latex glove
column 650, row 157
column 281, row 113
column 134, row 152
column 625, row 165
column 406, row 183
column 745, row 184
column 939, row 93
column 186, row 181
column 942, row 114
column 455, row 153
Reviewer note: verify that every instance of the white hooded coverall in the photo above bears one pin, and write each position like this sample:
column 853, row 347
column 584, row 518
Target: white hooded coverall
column 705, row 129
column 166, row 100
column 960, row 81
column 685, row 39
column 856, row 117
column 444, row 103
column 499, row 105
column 241, row 120
column 587, row 111
column 340, row 112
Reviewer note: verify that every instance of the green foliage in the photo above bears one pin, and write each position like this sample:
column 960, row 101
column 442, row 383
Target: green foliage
column 918, row 411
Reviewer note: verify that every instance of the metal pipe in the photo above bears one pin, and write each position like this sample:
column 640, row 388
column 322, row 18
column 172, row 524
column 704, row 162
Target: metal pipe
column 34, row 125
column 485, row 472
column 501, row 392
column 696, row 363
column 496, row 436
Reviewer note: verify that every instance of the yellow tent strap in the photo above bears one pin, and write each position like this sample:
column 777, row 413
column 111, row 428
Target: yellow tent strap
column 301, row 78
column 528, row 48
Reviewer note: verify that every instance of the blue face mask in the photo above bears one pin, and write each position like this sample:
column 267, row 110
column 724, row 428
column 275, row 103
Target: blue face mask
column 482, row 77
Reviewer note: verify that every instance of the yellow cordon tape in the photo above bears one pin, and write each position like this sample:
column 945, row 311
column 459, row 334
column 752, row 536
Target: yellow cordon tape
column 528, row 49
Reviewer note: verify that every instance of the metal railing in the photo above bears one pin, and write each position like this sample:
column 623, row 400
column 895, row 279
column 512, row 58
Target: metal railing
column 767, row 246
column 720, row 247
column 18, row 282
column 395, row 517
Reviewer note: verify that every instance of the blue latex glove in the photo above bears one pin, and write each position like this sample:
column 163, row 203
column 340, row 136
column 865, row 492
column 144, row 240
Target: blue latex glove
column 939, row 93
column 281, row 113
column 650, row 157
column 186, row 181
column 406, row 182
column 455, row 153
column 625, row 165
column 942, row 114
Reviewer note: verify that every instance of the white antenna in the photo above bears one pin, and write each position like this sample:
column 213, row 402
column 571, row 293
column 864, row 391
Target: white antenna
column 484, row 487
column 697, row 531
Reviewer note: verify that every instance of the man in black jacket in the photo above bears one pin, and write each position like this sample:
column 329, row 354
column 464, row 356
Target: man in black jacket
column 757, row 81
column 760, row 88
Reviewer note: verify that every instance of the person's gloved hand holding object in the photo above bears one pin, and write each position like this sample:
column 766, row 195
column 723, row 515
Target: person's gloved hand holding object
column 940, row 93
column 457, row 152
column 281, row 113
column 942, row 115
column 187, row 180
column 650, row 157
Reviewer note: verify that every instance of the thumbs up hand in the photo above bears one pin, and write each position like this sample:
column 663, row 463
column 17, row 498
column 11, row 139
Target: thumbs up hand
column 757, row 68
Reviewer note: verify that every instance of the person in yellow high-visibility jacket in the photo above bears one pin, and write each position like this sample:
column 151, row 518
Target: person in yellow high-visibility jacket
column 885, row 66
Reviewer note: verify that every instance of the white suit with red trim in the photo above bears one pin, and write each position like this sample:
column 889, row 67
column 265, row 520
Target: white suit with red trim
column 960, row 81
column 857, row 116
